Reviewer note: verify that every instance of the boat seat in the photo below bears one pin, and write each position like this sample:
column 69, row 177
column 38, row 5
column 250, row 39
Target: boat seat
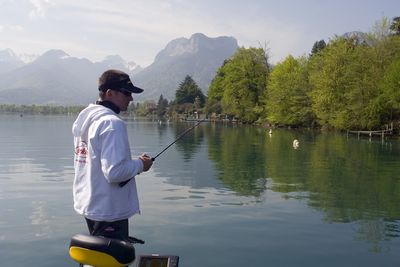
column 101, row 251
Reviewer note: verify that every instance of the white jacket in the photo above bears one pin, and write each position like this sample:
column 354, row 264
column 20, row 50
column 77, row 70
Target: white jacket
column 102, row 161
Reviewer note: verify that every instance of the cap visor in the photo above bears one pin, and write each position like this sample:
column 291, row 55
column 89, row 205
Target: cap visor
column 133, row 89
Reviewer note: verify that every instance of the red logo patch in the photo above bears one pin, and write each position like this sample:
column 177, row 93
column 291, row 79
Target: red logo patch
column 81, row 152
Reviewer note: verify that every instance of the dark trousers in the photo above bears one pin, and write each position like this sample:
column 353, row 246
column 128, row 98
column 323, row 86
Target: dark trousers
column 117, row 229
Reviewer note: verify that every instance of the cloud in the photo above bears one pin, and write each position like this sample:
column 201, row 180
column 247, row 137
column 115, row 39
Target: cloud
column 16, row 28
column 281, row 38
column 11, row 28
column 40, row 8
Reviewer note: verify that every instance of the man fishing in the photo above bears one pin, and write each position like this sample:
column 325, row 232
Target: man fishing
column 103, row 160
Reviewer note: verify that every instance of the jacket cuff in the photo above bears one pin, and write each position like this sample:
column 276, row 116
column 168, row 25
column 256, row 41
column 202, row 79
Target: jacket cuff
column 139, row 164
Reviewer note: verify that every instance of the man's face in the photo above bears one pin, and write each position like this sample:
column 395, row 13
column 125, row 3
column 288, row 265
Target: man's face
column 120, row 98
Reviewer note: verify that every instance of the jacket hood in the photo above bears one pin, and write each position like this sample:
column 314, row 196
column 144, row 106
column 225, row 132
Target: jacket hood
column 86, row 117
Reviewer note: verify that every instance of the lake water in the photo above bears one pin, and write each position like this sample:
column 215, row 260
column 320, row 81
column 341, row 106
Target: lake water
column 222, row 196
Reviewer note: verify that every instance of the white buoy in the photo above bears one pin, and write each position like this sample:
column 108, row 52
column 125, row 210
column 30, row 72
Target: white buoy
column 296, row 143
column 270, row 131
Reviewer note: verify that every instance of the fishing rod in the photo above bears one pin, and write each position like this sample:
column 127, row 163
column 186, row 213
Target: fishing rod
column 179, row 137
column 121, row 184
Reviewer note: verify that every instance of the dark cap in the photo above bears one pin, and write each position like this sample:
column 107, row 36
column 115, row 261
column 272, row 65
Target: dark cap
column 117, row 80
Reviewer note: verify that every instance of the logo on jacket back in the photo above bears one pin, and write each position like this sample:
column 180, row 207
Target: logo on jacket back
column 81, row 152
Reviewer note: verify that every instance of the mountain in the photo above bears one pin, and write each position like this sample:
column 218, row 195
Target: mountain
column 117, row 62
column 199, row 56
column 58, row 78
column 53, row 78
column 27, row 58
column 9, row 61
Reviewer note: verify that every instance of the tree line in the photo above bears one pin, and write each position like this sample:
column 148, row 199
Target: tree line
column 351, row 82
column 40, row 109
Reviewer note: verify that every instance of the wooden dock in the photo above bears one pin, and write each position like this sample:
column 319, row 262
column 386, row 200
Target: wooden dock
column 387, row 132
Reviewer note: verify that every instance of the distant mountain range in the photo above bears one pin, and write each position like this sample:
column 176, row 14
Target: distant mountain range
column 58, row 78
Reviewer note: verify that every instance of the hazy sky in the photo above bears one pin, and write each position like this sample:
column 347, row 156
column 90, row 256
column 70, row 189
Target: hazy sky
column 138, row 30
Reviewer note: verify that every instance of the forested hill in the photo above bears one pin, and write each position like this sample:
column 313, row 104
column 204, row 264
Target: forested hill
column 351, row 82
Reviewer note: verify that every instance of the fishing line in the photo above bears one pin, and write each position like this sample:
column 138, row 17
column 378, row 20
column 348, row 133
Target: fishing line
column 179, row 137
column 121, row 184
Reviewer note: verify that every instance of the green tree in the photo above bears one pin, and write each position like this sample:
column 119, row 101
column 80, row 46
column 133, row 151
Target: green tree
column 146, row 108
column 162, row 106
column 318, row 46
column 381, row 29
column 390, row 96
column 395, row 26
column 216, row 88
column 287, row 97
column 385, row 51
column 363, row 76
column 244, row 83
column 187, row 92
column 327, row 76
column 216, row 91
column 346, row 80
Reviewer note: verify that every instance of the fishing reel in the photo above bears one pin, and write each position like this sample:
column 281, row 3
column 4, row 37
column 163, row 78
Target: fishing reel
column 101, row 251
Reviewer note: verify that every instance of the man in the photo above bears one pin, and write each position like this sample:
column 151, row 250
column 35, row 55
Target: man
column 103, row 160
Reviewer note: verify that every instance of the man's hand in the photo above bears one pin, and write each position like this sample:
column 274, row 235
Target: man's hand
column 147, row 162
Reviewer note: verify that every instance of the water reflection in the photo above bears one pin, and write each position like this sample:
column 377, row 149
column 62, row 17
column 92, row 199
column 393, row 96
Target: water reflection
column 330, row 191
column 33, row 141
column 189, row 144
column 348, row 180
column 239, row 158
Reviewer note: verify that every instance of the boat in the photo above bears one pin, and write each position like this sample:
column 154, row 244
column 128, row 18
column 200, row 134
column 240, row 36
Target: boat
column 101, row 251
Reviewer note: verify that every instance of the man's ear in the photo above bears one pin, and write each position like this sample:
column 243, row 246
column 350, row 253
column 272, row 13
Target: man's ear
column 109, row 93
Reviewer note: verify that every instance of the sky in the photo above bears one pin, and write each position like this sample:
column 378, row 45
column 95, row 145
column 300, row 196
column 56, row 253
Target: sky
column 138, row 29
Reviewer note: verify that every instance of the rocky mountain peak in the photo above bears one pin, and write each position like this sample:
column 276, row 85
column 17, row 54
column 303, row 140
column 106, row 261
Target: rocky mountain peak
column 52, row 55
column 9, row 60
column 117, row 62
column 199, row 56
column 198, row 42
column 8, row 55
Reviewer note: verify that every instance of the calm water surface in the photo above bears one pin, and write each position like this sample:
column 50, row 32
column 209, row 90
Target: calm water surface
column 222, row 196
